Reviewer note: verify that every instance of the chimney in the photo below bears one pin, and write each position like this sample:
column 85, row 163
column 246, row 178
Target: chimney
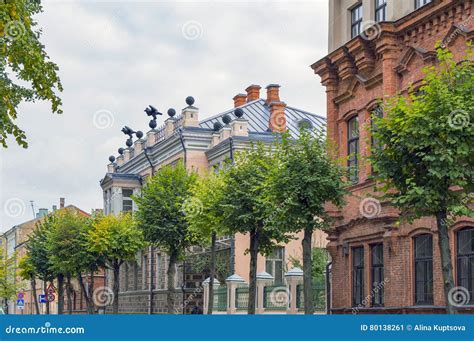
column 55, row 208
column 277, row 122
column 273, row 93
column 239, row 100
column 42, row 212
column 253, row 92
column 61, row 202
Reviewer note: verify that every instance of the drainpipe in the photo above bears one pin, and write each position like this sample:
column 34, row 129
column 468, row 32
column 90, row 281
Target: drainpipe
column 231, row 147
column 180, row 132
column 328, row 287
column 149, row 161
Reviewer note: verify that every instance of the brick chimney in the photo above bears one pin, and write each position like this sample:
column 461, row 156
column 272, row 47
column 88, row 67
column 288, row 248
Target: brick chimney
column 273, row 93
column 62, row 202
column 239, row 100
column 253, row 92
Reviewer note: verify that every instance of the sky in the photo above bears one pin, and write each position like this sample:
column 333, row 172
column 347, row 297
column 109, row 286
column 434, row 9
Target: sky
column 117, row 57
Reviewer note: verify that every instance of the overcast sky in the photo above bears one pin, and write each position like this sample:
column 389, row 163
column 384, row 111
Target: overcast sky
column 115, row 58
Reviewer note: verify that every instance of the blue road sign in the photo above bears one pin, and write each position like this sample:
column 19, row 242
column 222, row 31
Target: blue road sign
column 20, row 303
column 42, row 299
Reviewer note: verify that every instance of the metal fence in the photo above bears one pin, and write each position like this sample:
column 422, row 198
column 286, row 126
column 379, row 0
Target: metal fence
column 319, row 297
column 220, row 299
column 275, row 297
column 241, row 298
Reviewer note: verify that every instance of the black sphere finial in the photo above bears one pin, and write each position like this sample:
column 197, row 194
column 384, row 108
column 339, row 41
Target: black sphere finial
column 189, row 100
column 112, row 158
column 139, row 134
column 172, row 112
column 152, row 124
column 238, row 112
column 129, row 142
column 120, row 151
column 226, row 119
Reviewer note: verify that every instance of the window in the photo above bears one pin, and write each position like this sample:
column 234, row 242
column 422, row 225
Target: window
column 423, row 245
column 421, row 3
column 127, row 202
column 380, row 10
column 377, row 113
column 465, row 261
column 377, row 274
column 274, row 264
column 353, row 148
column 357, row 276
column 356, row 20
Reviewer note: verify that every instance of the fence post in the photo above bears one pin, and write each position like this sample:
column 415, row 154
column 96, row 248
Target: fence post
column 232, row 283
column 293, row 278
column 207, row 299
column 263, row 279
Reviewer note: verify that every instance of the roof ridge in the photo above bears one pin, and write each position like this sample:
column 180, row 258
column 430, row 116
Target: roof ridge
column 230, row 110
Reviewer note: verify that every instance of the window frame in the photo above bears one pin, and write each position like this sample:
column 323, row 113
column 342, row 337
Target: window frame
column 127, row 199
column 377, row 289
column 358, row 22
column 460, row 257
column 353, row 161
column 277, row 256
column 358, row 272
column 380, row 8
column 421, row 3
column 427, row 262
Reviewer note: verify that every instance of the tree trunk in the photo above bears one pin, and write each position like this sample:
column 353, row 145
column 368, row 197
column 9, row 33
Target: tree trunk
column 35, row 298
column 85, row 293
column 307, row 271
column 446, row 264
column 69, row 293
column 171, row 273
column 212, row 275
column 91, row 292
column 60, row 294
column 45, row 288
column 254, row 239
column 116, row 288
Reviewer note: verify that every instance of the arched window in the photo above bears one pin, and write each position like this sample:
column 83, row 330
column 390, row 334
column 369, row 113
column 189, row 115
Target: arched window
column 423, row 249
column 353, row 148
column 465, row 260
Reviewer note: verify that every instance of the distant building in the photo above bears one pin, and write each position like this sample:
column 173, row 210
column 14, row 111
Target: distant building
column 201, row 145
column 16, row 240
column 379, row 266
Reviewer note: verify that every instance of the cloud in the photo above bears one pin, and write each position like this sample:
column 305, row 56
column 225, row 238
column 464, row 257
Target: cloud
column 119, row 57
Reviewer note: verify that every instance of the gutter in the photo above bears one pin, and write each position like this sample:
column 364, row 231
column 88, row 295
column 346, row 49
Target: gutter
column 180, row 133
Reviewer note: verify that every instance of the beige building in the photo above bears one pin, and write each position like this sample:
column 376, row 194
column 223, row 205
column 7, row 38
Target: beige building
column 202, row 144
column 349, row 18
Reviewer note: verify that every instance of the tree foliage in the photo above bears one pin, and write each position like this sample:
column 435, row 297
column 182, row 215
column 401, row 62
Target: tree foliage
column 8, row 287
column 305, row 180
column 26, row 72
column 426, row 158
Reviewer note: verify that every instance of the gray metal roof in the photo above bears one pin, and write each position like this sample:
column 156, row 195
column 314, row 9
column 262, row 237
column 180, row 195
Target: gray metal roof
column 258, row 115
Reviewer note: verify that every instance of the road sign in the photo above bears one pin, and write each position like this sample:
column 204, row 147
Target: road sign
column 51, row 297
column 42, row 298
column 20, row 303
column 51, row 289
column 21, row 295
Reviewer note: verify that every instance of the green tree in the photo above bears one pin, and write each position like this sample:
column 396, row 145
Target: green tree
column 305, row 179
column 116, row 239
column 320, row 259
column 8, row 287
column 26, row 73
column 162, row 219
column 38, row 255
column 246, row 208
column 204, row 216
column 427, row 160
column 27, row 272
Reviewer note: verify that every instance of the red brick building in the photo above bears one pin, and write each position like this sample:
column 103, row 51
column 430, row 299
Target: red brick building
column 378, row 265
